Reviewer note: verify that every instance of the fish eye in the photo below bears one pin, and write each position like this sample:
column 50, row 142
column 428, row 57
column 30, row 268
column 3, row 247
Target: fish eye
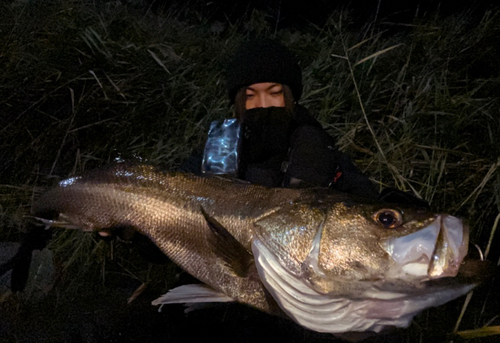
column 389, row 218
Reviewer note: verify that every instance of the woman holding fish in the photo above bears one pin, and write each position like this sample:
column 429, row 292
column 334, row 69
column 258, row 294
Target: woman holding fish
column 327, row 261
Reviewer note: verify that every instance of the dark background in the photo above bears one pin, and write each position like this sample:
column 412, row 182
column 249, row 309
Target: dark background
column 299, row 12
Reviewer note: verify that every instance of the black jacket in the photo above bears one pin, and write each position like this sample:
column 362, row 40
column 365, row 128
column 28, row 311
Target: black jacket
column 310, row 160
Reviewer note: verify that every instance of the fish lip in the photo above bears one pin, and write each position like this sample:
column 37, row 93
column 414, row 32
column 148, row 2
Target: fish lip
column 451, row 248
column 435, row 251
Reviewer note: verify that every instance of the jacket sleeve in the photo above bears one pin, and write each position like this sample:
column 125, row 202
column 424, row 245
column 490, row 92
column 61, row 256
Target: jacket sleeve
column 315, row 161
column 193, row 163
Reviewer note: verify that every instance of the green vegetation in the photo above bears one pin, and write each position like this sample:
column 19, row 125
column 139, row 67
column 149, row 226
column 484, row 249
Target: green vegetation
column 83, row 83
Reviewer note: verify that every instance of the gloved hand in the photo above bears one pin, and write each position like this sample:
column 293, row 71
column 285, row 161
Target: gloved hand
column 395, row 196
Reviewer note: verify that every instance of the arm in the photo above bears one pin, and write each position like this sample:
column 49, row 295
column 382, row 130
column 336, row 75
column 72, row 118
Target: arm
column 315, row 161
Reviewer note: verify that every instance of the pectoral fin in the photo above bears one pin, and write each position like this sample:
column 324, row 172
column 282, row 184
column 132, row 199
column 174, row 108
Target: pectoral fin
column 232, row 252
column 289, row 233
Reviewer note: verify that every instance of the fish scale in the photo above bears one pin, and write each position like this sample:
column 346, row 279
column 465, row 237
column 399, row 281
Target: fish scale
column 323, row 258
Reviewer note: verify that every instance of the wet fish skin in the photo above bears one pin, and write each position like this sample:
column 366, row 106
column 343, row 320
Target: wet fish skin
column 167, row 209
column 310, row 249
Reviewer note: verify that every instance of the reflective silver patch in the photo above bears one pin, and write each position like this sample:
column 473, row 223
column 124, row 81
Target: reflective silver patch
column 221, row 153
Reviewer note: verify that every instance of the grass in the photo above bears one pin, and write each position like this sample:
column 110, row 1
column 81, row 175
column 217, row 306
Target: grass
column 415, row 105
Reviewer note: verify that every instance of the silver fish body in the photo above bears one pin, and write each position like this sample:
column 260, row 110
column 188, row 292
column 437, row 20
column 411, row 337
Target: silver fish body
column 330, row 262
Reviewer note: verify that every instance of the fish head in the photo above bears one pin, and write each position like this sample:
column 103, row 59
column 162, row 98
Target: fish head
column 344, row 265
column 369, row 243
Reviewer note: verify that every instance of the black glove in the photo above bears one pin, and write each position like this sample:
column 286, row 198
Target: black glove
column 395, row 196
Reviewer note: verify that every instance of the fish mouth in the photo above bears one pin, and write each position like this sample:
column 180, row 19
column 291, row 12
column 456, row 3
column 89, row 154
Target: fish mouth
column 436, row 251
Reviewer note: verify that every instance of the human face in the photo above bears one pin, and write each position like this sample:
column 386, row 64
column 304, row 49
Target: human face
column 264, row 94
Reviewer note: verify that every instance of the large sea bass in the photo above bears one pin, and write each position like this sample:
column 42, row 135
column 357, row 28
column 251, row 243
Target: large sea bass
column 330, row 262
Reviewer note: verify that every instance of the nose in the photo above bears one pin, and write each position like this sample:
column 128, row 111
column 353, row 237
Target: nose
column 262, row 101
column 259, row 100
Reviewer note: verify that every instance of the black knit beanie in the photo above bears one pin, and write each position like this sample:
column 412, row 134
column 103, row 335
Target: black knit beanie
column 263, row 60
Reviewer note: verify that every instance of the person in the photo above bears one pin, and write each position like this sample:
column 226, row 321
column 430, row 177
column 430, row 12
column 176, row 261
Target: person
column 282, row 144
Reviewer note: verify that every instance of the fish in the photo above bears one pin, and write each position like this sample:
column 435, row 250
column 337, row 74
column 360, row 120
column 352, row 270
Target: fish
column 327, row 260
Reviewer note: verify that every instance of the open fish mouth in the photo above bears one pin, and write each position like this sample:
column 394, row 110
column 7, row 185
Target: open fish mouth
column 436, row 251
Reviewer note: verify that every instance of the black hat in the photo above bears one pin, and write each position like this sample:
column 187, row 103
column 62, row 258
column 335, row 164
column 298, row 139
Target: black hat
column 263, row 60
